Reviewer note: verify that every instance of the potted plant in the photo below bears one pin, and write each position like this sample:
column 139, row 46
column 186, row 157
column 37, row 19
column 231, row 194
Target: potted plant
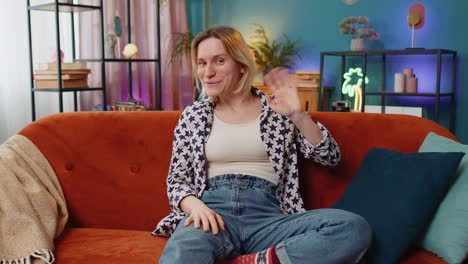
column 358, row 26
column 180, row 46
column 270, row 54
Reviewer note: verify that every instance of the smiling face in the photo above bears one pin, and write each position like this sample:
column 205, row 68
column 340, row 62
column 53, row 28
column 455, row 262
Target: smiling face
column 218, row 72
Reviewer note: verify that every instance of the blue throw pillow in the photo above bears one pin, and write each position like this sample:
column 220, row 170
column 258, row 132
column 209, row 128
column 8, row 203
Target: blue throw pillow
column 398, row 194
column 447, row 235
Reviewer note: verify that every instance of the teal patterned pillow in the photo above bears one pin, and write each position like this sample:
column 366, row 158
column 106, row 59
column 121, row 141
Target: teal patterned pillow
column 447, row 235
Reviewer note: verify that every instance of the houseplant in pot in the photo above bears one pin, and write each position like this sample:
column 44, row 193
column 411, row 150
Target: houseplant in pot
column 269, row 54
column 358, row 26
column 179, row 51
column 180, row 46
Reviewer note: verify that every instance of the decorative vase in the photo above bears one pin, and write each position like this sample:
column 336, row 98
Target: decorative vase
column 358, row 44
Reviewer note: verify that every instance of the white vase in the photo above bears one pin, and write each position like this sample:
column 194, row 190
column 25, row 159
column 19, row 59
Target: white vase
column 358, row 44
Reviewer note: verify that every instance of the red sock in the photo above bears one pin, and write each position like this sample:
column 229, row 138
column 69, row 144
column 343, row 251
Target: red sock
column 267, row 256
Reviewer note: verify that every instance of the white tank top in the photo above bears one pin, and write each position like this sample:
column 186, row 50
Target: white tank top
column 238, row 148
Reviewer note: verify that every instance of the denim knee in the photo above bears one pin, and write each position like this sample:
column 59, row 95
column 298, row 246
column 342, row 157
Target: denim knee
column 360, row 236
column 362, row 230
column 191, row 245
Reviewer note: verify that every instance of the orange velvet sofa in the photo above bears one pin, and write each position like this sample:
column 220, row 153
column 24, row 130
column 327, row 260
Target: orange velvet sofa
column 113, row 166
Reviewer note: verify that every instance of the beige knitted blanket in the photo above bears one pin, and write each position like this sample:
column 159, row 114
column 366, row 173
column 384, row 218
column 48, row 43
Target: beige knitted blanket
column 32, row 206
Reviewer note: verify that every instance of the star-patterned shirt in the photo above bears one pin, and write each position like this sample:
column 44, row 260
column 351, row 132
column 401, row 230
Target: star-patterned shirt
column 187, row 173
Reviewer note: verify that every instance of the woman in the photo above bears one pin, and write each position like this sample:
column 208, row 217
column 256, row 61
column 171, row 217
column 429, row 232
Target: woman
column 233, row 181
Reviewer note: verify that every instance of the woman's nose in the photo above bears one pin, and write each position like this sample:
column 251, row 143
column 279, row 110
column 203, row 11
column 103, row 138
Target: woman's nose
column 210, row 70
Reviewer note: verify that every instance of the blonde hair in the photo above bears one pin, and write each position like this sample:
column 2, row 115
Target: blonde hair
column 236, row 47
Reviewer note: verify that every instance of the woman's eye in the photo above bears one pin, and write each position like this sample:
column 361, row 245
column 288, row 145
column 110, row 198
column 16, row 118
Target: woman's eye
column 201, row 63
column 219, row 61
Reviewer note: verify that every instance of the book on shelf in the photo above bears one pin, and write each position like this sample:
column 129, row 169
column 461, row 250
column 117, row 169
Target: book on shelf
column 65, row 66
column 307, row 75
column 299, row 80
column 51, row 72
column 307, row 72
column 67, row 76
column 303, row 84
column 52, row 84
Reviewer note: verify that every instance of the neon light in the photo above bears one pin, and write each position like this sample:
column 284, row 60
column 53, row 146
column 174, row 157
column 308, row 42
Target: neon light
column 351, row 89
column 357, row 99
column 347, row 86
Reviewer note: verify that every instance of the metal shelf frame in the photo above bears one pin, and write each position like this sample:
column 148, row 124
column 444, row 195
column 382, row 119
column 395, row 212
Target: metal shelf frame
column 63, row 7
column 71, row 8
column 56, row 7
column 383, row 54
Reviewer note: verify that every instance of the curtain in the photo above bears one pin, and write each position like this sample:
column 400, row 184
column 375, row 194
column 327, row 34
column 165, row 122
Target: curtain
column 176, row 88
column 177, row 80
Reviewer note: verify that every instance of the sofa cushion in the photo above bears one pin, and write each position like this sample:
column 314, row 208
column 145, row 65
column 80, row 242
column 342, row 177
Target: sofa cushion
column 89, row 245
column 398, row 193
column 447, row 235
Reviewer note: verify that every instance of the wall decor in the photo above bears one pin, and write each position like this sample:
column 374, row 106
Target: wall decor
column 350, row 2
column 117, row 26
column 353, row 88
column 416, row 19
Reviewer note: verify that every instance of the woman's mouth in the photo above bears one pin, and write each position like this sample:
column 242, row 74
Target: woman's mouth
column 212, row 82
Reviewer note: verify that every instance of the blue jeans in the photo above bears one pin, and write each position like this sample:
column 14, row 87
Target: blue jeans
column 255, row 222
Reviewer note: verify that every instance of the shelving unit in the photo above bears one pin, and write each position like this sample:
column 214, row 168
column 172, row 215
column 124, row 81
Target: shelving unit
column 57, row 7
column 130, row 62
column 437, row 94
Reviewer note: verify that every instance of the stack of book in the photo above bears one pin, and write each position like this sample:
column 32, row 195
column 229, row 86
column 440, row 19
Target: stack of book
column 128, row 106
column 74, row 75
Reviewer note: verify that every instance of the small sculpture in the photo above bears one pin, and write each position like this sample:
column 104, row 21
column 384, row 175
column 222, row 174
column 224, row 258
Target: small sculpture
column 117, row 25
column 118, row 29
column 130, row 51
column 110, row 42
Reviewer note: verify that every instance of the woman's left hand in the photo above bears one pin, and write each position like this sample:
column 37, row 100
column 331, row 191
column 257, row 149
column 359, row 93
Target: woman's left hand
column 286, row 102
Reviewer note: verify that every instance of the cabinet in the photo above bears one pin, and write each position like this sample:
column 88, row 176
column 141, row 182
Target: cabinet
column 435, row 93
column 56, row 7
column 309, row 96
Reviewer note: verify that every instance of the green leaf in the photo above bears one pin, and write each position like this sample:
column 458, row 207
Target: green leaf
column 270, row 54
column 180, row 46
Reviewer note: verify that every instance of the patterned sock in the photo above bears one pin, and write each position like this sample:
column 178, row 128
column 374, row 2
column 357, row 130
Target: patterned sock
column 267, row 256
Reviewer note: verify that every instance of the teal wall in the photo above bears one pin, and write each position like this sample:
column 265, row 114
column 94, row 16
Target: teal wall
column 315, row 24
